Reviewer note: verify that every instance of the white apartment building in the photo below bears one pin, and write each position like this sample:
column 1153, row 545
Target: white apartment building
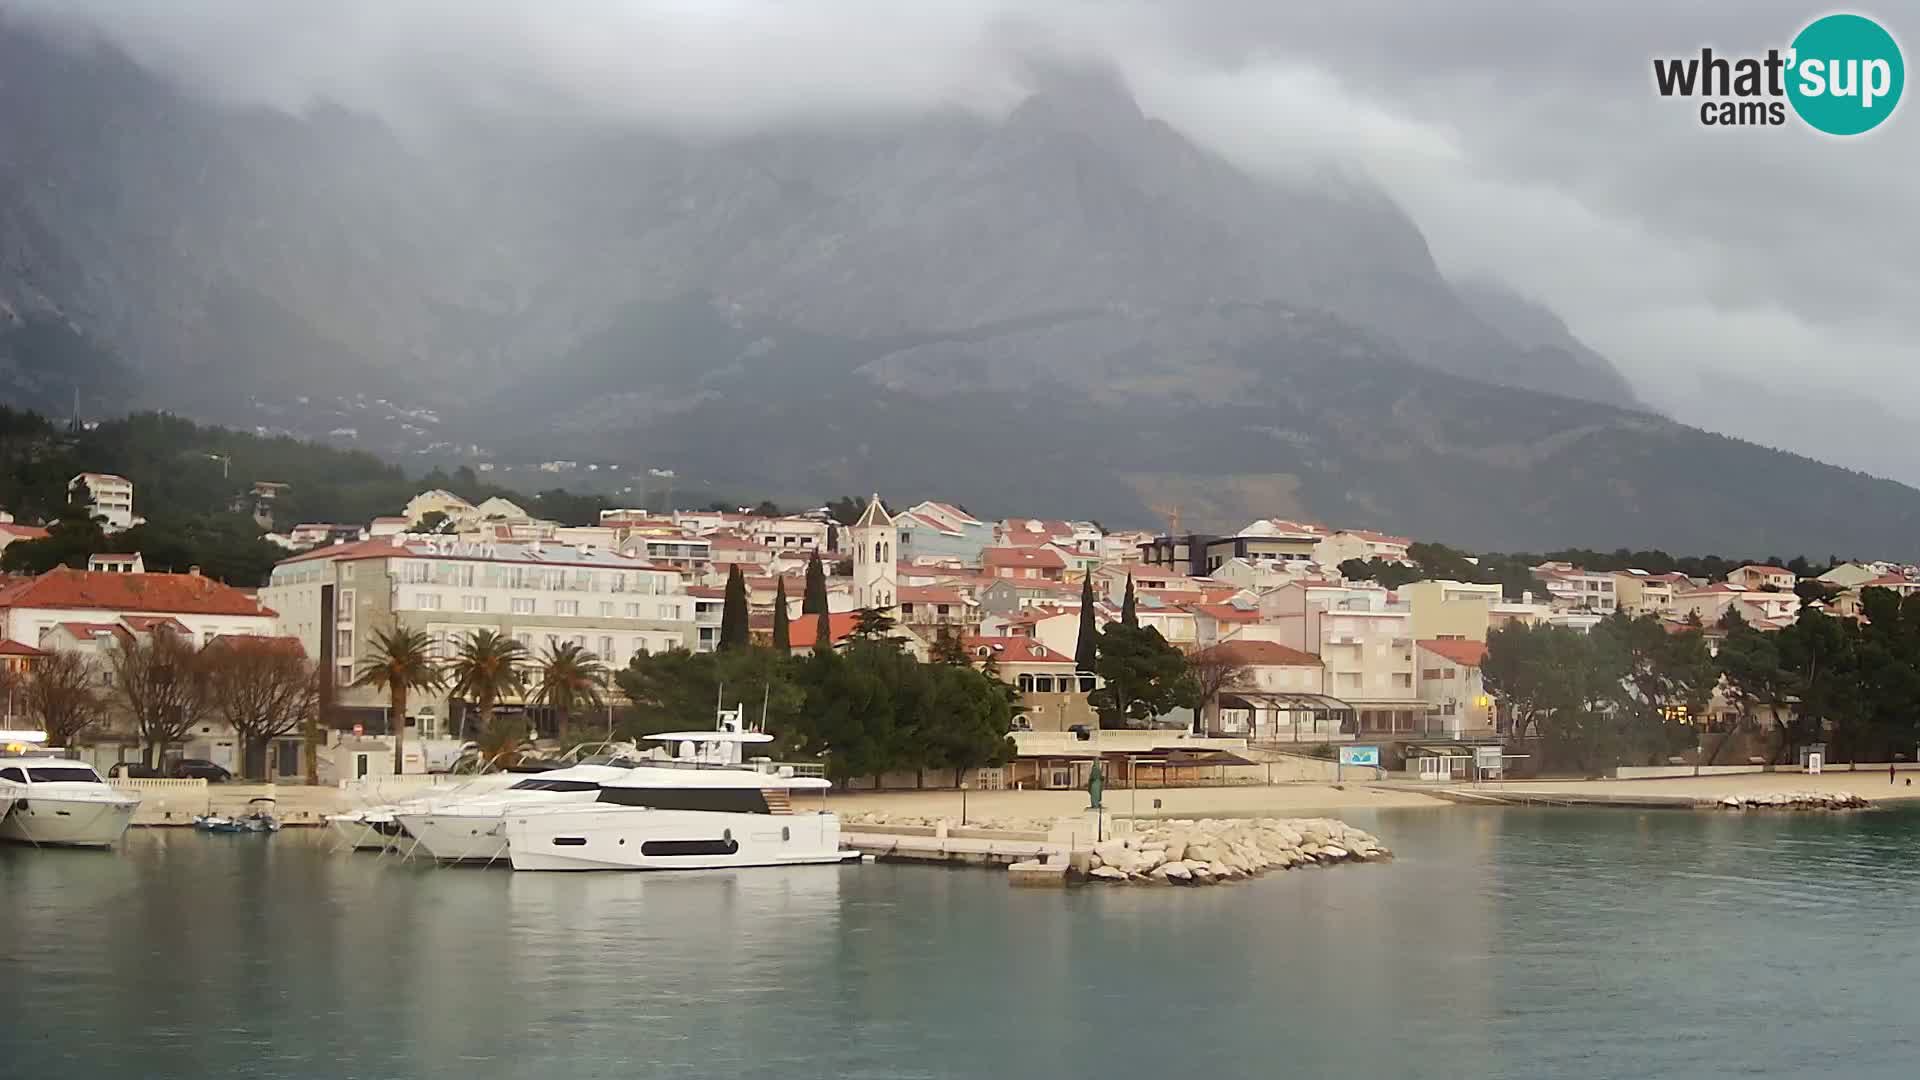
column 1364, row 641
column 112, row 498
column 1573, row 589
column 539, row 594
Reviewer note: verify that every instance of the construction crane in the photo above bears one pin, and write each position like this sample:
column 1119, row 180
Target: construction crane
column 1171, row 512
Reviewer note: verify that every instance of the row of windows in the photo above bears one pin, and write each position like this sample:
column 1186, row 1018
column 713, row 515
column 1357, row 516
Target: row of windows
column 545, row 578
column 478, row 604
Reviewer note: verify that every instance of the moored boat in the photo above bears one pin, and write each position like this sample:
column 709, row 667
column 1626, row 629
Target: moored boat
column 62, row 803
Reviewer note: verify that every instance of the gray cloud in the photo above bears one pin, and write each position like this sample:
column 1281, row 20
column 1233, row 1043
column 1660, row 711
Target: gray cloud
column 1526, row 140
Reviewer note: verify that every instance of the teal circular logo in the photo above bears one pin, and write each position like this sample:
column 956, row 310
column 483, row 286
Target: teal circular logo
column 1845, row 75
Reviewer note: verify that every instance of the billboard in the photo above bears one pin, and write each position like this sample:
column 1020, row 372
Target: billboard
column 1360, row 755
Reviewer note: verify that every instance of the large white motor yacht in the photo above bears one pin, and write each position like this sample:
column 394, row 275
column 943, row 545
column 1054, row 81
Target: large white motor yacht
column 703, row 810
column 661, row 819
column 61, row 803
column 468, row 829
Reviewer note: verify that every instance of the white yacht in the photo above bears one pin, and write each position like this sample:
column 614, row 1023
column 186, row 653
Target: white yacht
column 62, row 803
column 669, row 819
column 468, row 829
column 698, row 810
column 377, row 828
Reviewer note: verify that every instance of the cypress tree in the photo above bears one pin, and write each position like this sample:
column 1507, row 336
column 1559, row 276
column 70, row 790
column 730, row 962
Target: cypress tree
column 814, row 601
column 1129, row 608
column 822, row 631
column 1086, row 653
column 782, row 637
column 733, row 616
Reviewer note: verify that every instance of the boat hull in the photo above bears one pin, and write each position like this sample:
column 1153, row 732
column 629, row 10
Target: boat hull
column 638, row 838
column 53, row 821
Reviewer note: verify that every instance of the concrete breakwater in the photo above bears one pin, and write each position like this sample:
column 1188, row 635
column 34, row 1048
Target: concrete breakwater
column 1795, row 800
column 1210, row 850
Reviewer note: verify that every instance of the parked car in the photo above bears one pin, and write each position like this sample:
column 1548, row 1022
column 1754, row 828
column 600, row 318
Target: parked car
column 200, row 769
column 133, row 770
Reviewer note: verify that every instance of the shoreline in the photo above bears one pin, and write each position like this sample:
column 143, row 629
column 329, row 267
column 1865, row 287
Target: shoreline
column 300, row 806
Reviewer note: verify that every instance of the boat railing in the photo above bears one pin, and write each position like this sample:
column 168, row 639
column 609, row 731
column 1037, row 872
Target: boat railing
column 134, row 783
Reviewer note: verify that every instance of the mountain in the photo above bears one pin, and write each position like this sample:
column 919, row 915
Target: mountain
column 1070, row 306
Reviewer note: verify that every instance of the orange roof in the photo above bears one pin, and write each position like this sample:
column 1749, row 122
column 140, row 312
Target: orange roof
column 1378, row 538
column 1261, row 654
column 23, row 532
column 801, row 630
column 257, row 641
column 177, row 594
column 10, row 647
column 1464, row 653
column 1226, row 612
column 1044, row 557
column 1014, row 650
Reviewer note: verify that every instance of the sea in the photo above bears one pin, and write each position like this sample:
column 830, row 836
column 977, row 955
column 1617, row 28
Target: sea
column 1498, row 943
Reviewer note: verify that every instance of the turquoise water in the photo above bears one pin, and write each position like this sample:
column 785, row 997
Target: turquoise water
column 1503, row 943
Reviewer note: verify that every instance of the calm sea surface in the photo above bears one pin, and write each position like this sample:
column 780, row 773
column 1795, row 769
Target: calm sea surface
column 1502, row 943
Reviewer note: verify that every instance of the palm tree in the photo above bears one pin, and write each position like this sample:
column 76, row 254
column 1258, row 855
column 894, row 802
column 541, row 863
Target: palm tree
column 568, row 679
column 401, row 662
column 486, row 668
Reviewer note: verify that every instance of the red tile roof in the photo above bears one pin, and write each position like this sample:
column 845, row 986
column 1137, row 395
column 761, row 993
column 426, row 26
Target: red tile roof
column 10, row 647
column 176, row 594
column 1042, row 557
column 22, row 532
column 801, row 630
column 1226, row 612
column 1014, row 650
column 1464, row 653
column 259, row 641
column 1261, row 654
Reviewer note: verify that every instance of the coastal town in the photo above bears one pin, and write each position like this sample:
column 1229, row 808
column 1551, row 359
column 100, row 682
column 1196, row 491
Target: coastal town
column 1295, row 647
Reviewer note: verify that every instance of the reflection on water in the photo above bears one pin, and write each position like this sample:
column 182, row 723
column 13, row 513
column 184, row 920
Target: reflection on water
column 1502, row 943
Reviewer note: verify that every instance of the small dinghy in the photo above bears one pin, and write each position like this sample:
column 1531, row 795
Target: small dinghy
column 258, row 819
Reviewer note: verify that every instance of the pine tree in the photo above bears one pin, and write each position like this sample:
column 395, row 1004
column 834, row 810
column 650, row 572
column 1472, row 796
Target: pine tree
column 733, row 616
column 949, row 649
column 814, row 601
column 782, row 637
column 1129, row 608
column 1086, row 652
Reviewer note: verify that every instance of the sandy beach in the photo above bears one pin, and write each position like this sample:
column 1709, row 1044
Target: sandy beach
column 1278, row 799
column 1868, row 783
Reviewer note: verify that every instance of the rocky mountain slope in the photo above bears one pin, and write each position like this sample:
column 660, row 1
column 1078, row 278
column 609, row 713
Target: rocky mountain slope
column 1071, row 305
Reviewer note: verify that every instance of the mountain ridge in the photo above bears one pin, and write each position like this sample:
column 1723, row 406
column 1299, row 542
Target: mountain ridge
column 1070, row 305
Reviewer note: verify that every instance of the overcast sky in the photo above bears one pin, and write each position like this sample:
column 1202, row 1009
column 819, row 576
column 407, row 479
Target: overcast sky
column 1524, row 138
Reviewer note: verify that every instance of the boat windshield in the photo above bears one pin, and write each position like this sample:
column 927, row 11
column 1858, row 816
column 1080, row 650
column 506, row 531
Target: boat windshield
column 62, row 774
column 555, row 785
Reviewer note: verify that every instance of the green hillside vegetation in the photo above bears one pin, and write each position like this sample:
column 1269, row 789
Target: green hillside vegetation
column 193, row 483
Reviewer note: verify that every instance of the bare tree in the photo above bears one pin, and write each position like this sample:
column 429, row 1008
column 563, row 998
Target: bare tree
column 160, row 682
column 62, row 693
column 1213, row 671
column 263, row 688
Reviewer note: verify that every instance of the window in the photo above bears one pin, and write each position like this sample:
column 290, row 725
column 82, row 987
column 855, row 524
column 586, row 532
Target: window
column 15, row 775
column 606, row 609
column 1430, row 673
column 428, row 601
column 68, row 774
column 669, row 611
column 606, row 646
column 633, row 611
column 343, row 604
column 473, row 604
column 1450, row 673
column 342, row 643
column 1403, row 678
column 1025, row 682
column 566, row 607
column 523, row 605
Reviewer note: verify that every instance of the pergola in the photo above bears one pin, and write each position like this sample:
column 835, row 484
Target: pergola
column 1330, row 715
